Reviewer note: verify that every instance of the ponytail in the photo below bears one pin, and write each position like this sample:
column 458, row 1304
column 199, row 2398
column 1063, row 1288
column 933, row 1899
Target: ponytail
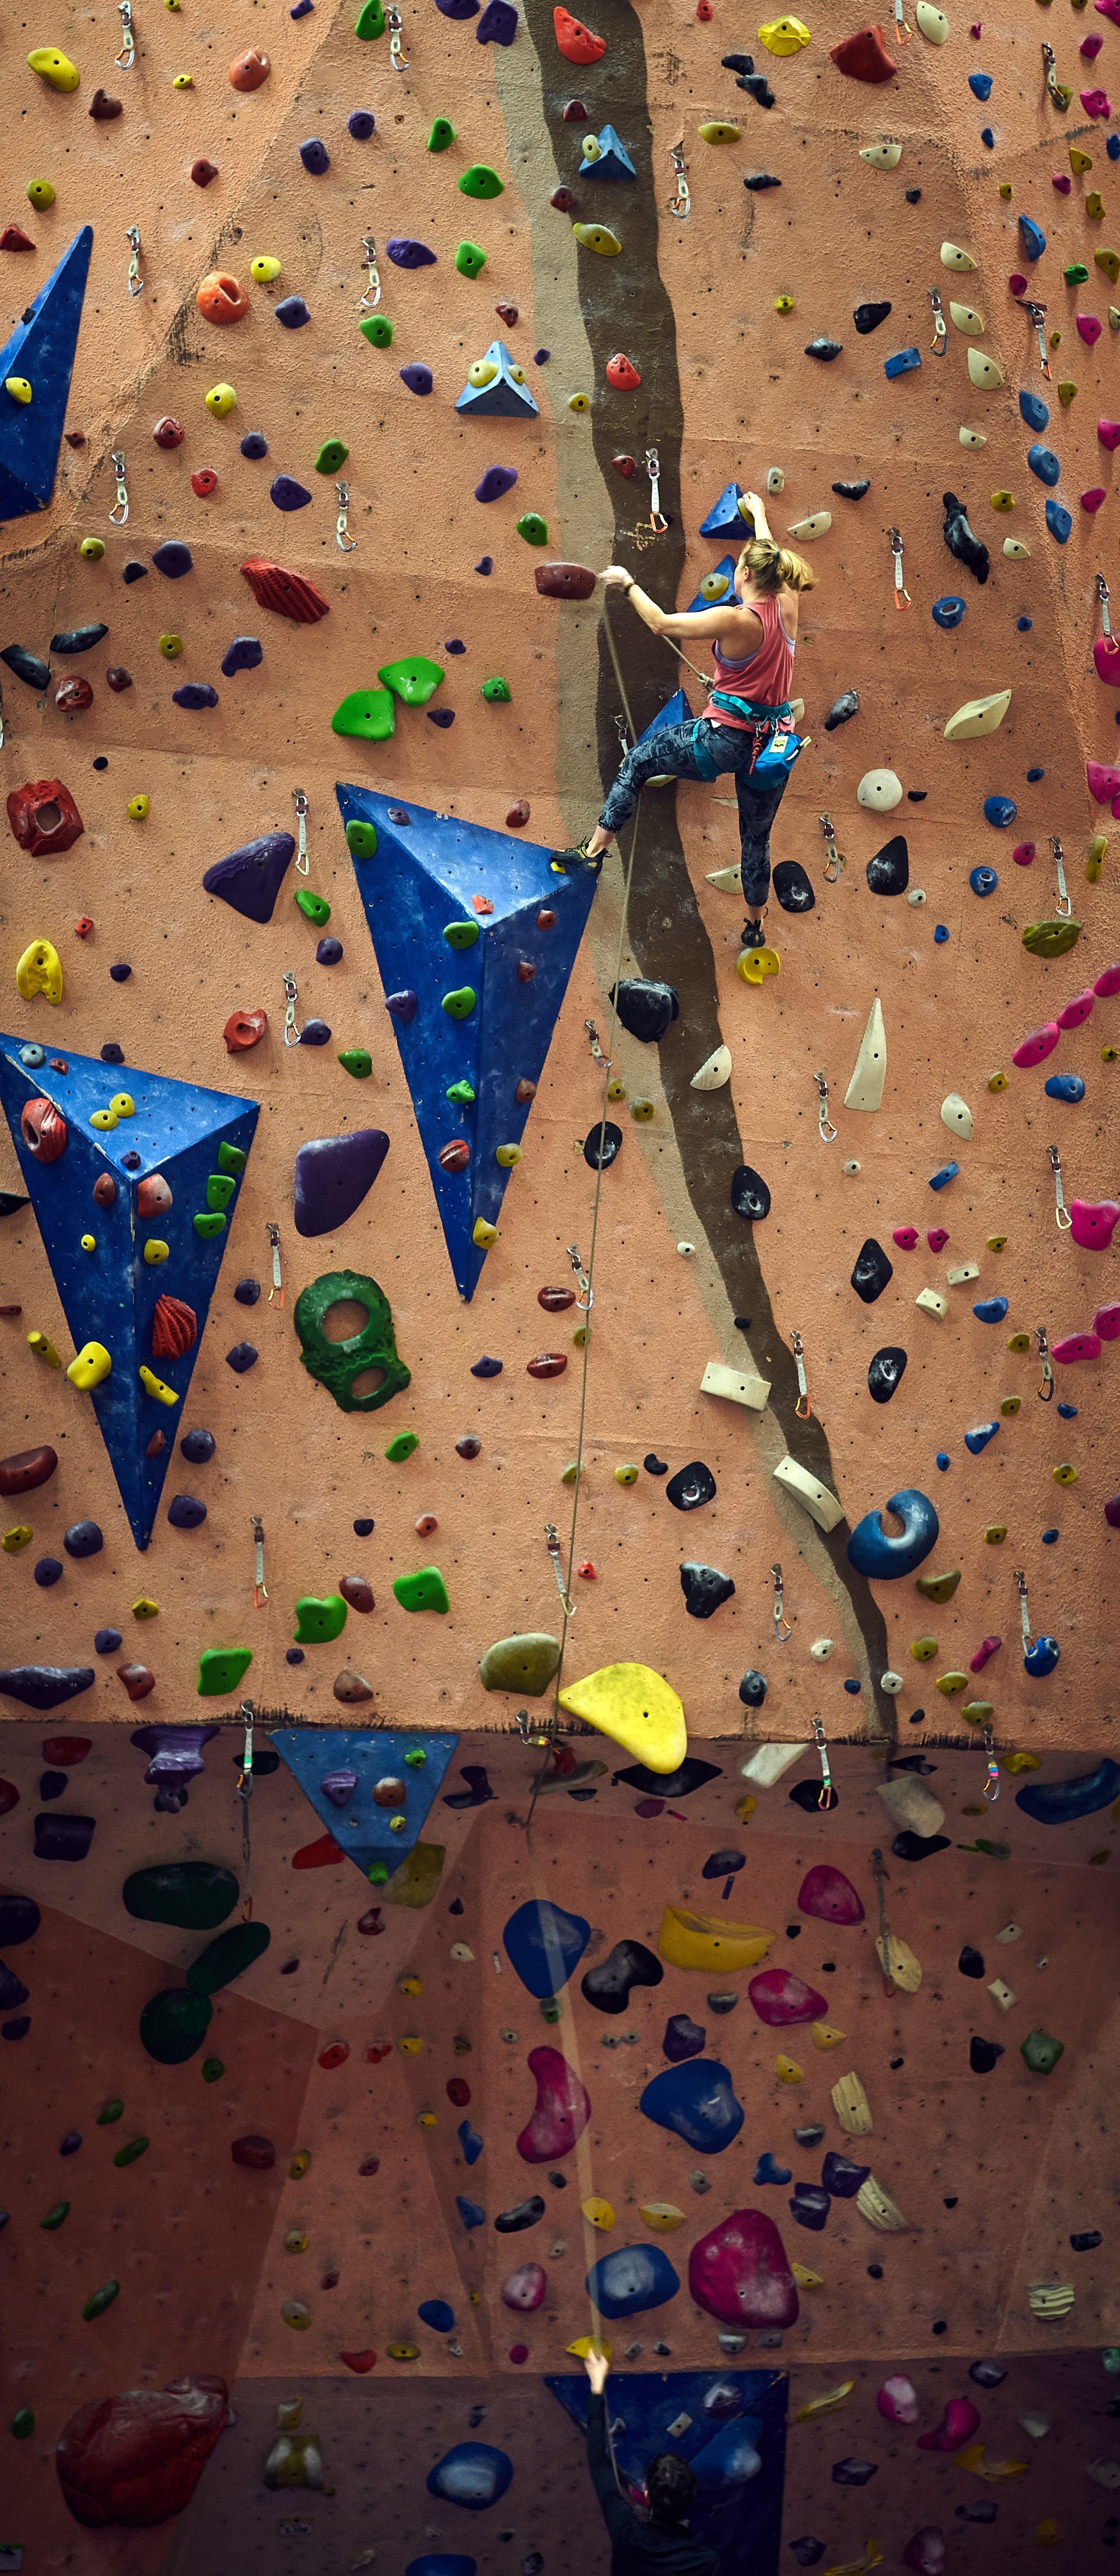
column 775, row 568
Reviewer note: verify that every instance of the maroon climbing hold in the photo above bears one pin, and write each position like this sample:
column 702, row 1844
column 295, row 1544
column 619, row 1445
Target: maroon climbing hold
column 64, row 1752
column 168, row 431
column 26, row 1469
column 547, row 1364
column 864, row 56
column 780, row 1998
column 14, row 237
column 73, row 695
column 827, row 1894
column 564, row 581
column 564, row 200
column 739, row 2273
column 137, row 2459
column 357, row 1592
column 202, row 171
column 333, row 1176
column 44, row 817
column 258, row 2154
column 561, row 2112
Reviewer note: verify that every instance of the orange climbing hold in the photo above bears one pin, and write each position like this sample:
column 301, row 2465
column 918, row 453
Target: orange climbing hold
column 575, row 42
column 222, row 298
column 864, row 56
column 622, row 373
column 249, row 70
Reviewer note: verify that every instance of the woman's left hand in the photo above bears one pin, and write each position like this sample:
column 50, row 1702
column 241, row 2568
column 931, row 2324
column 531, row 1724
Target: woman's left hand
column 615, row 573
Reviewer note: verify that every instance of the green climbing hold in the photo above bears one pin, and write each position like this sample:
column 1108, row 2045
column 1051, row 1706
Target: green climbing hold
column 414, row 680
column 231, row 1158
column 423, row 1591
column 339, row 1365
column 361, row 838
column 416, row 1760
column 461, row 934
column 497, row 690
column 377, row 1873
column 227, row 1957
column 220, row 1187
column 533, row 528
column 102, row 2299
column 358, row 1061
column 131, row 2153
column 207, row 1226
column 314, row 907
column 478, row 181
column 23, row 2423
column 174, row 2023
column 1051, row 938
column 469, row 259
column 520, row 1664
column 55, row 2216
column 370, row 20
column 377, row 329
column 196, row 1895
column 367, row 714
column 442, row 133
column 220, row 1667
column 402, row 1446
column 1076, row 274
column 460, row 1004
column 332, row 456
column 115, row 2110
column 461, row 1092
column 1040, row 2052
column 212, row 2070
column 318, row 1621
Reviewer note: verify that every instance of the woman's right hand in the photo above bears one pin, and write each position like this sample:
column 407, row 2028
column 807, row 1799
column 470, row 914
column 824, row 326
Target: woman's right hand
column 596, row 2365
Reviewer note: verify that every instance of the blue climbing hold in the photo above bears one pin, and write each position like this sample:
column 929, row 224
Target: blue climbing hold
column 1067, row 1412
column 1044, row 463
column 1023, row 626
column 1033, row 410
column 943, row 1461
column 315, row 156
column 315, row 1755
column 472, row 2474
column 987, row 138
column 437, row 2314
column 1059, row 522
column 854, row 1688
column 977, row 1440
column 1041, row 1657
column 730, row 2459
column 496, row 480
column 983, row 880
column 417, row 377
column 470, row 2211
column 1032, row 238
column 244, row 654
column 1064, row 1086
column 948, row 611
column 725, row 519
column 41, row 348
column 635, row 2277
column 612, row 161
column 903, row 363
column 940, row 1180
column 1112, row 147
column 361, row 123
column 502, row 397
column 498, row 23
column 1050, row 1537
column 195, row 694
column 767, row 2171
column 991, row 1310
column 291, row 312
column 286, row 494
column 940, row 935
column 884, row 1555
column 999, row 811
column 1033, row 774
column 173, row 558
column 1061, row 1802
column 980, row 83
column 697, row 2101
column 544, row 1945
column 441, row 2563
column 469, row 2139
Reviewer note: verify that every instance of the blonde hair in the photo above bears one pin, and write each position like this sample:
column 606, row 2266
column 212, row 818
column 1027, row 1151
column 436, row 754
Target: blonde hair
column 774, row 567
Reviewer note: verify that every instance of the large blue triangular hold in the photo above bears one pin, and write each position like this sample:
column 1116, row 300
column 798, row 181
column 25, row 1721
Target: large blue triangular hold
column 503, row 398
column 725, row 598
column 197, row 1141
column 725, row 519
column 421, row 883
column 676, row 710
column 340, row 1771
column 611, row 161
column 42, row 349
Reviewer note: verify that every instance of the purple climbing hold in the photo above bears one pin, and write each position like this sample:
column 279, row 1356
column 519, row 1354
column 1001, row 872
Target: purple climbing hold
column 198, row 1447
column 106, row 1641
column 83, row 1538
column 498, row 23
column 173, row 558
column 329, row 952
column 402, row 1005
column 338, row 1786
column 458, row 8
column 333, row 1175
column 442, row 716
column 487, row 1368
column 406, row 253
column 186, row 1512
column 242, row 655
column 315, row 156
column 486, row 564
column 810, row 2205
column 454, row 644
column 360, row 123
column 242, row 1357
column 20, row 1918
column 13, row 1992
column 254, row 443
column 314, row 1033
column 250, row 878
column 292, row 312
column 418, row 378
column 541, row 357
column 841, row 2178
column 43, row 1686
column 195, row 694
column 683, row 2038
column 496, row 480
column 247, row 1293
column 47, row 1570
column 286, row 494
column 119, row 974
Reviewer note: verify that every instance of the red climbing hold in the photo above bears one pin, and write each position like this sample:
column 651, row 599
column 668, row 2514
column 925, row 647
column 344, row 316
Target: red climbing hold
column 244, row 1029
column 565, row 580
column 137, row 2459
column 258, row 2154
column 335, row 2054
column 360, row 2362
column 739, row 2273
column 622, row 373
column 576, row 43
column 320, row 1855
column 627, row 466
column 864, row 56
column 63, row 1751
column 291, row 594
column 13, row 237
column 779, row 1998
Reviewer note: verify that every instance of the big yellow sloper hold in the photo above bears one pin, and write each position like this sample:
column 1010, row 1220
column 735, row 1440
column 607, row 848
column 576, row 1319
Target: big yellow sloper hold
column 706, row 1941
column 636, row 1708
column 978, row 716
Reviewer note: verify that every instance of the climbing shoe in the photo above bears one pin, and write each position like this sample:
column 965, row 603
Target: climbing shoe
column 573, row 862
column 754, row 936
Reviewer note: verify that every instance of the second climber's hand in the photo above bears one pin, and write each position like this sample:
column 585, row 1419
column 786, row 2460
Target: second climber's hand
column 614, row 574
column 596, row 2365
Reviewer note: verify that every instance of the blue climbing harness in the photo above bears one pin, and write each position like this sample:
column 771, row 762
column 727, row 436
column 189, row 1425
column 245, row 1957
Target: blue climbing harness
column 776, row 746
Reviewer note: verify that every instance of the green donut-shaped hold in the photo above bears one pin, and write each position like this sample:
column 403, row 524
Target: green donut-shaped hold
column 336, row 1365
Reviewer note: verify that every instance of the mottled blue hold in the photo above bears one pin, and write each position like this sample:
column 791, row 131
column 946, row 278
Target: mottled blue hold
column 1041, row 1658
column 286, row 494
column 473, row 2474
column 254, row 444
column 633, row 2278
column 291, row 312
column 1032, row 237
column 470, row 2142
column 767, row 2171
column 1067, row 1412
column 948, row 611
column 195, row 694
column 186, row 1512
column 1044, row 463
column 983, row 880
column 470, row 2212
column 487, row 1368
column 730, row 2458
column 1059, row 522
column 1064, row 1086
column 406, row 253
column 883, row 1555
column 943, row 1461
column 999, row 811
column 417, row 378
column 977, row 1440
column 498, row 23
column 980, row 83
column 1112, row 147
column 496, row 480
column 173, row 558
column 544, row 1945
column 1033, row 410
column 991, row 1310
column 1061, row 1802
column 697, row 2102
column 242, row 655
column 361, row 123
column 903, row 363
column 315, row 156
column 940, row 1180
column 437, row 2314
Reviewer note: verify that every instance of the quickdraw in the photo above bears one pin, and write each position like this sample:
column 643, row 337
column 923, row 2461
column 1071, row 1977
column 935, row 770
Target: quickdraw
column 372, row 294
column 135, row 281
column 901, row 594
column 1046, row 1381
column 680, row 203
column 398, row 60
column 827, row 1796
column 260, row 1595
column 119, row 512
column 277, row 1288
column 940, row 341
column 291, row 998
column 825, row 1127
column 1062, row 1218
column 552, row 1543
column 802, row 1408
column 902, row 32
column 783, row 1627
column 342, row 537
column 127, row 56
column 991, row 1778
column 833, row 859
column 1058, row 90
column 299, row 800
column 1062, row 900
column 1036, row 315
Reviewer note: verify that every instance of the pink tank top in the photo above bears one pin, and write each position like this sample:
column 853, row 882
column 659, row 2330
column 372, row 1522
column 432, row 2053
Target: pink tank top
column 766, row 676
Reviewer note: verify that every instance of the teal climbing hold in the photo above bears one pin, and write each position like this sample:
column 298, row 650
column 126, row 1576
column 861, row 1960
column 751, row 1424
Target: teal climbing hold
column 478, row 181
column 366, row 714
column 196, row 1895
column 377, row 329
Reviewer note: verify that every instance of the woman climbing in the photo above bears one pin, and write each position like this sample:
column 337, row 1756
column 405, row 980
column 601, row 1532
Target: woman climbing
column 657, row 2542
column 753, row 642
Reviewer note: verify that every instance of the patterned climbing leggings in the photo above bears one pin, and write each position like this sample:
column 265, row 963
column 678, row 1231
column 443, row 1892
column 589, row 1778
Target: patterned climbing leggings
column 670, row 752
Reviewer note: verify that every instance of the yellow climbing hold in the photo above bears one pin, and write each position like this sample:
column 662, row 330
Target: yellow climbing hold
column 825, row 2405
column 1064, row 1475
column 753, row 966
column 18, row 387
column 483, row 1233
column 899, row 1962
column 1015, row 550
column 579, row 402
column 588, row 2343
column 16, row 1537
column 91, row 1365
column 1095, row 860
column 824, row 2036
column 221, row 400
column 636, row 1708
column 1017, row 1763
column 788, row 2071
column 183, row 80
column 91, row 549
column 155, row 1251
column 744, row 1809
column 1066, row 391
column 1003, row 500
column 507, row 1156
column 852, row 2108
column 979, row 715
column 783, row 304
column 995, row 1534
column 1094, row 206
column 40, row 971
column 598, row 2212
column 715, row 132
column 662, row 2215
column 1109, row 261
column 139, row 808
column 997, row 1082
column 1010, row 1405
column 715, row 585
column 953, row 257
column 264, row 269
column 923, row 1649
column 931, row 23
column 805, row 2279
column 783, row 36
column 706, row 1941
column 996, row 2472
column 966, row 318
column 54, row 67
column 598, row 237
column 951, row 1684
column 1079, row 161
column 154, row 1385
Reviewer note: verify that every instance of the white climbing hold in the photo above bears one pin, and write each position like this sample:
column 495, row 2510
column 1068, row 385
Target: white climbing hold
column 865, row 1090
column 891, row 1682
column 931, row 23
column 738, row 1386
column 1114, row 317
column 879, row 789
column 978, row 716
column 955, row 1113
column 775, row 479
column 1105, row 2472
column 911, row 1806
column 932, row 1302
column 767, row 1763
column 917, row 894
column 965, row 1272
column 953, row 257
column 714, row 1072
column 967, row 319
column 687, row 1251
column 729, row 880
column 972, row 437
column 850, row 1169
column 808, row 1490
column 984, row 372
column 816, row 526
column 1015, row 550
column 822, row 1648
column 882, row 156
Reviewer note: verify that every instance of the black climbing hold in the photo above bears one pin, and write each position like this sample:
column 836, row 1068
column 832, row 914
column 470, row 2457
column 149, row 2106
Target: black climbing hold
column 724, row 1864
column 841, row 2177
column 842, row 710
column 982, row 2511
column 889, row 871
column 721, row 2004
column 853, row 2473
column 83, row 1538
column 912, row 196
column 704, row 1589
column 26, row 666
column 1086, row 2240
column 908, row 1846
column 749, row 1194
column 810, row 2207
column 810, row 2136
column 758, row 86
column 693, row 1774
column 645, row 1010
column 807, row 1796
column 793, row 890
column 602, row 1145
column 852, row 491
column 655, row 1466
column 628, row 1964
column 19, row 1920
column 76, row 639
column 53, row 1784
column 960, row 540
column 983, row 2054
column 737, row 62
column 684, row 2038
column 45, row 1685
column 691, row 1486
column 196, row 1895
column 885, row 1373
column 134, row 571
column 807, row 2551
column 872, row 1272
column 13, row 1992
column 524, row 2213
column 753, row 1689
column 867, row 317
column 63, row 1837
column 824, row 349
column 971, row 1962
column 759, row 179
column 476, row 1794
column 174, row 2024
column 227, row 1957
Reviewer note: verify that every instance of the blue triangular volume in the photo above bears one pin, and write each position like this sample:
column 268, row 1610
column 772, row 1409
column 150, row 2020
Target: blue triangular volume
column 503, row 398
column 361, row 1828
column 727, row 599
column 109, row 1295
column 729, row 2425
column 725, row 519
column 424, row 875
column 42, row 349
column 676, row 710
column 612, row 160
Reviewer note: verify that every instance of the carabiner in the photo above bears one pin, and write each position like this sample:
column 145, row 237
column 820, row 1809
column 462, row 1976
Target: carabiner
column 901, row 31
column 552, row 1543
column 653, row 469
column 135, row 281
column 991, row 1782
column 291, row 1033
column 1036, row 315
column 901, row 595
column 126, row 58
column 1046, row 1381
column 277, row 1288
column 1058, row 90
column 372, row 294
column 940, row 341
column 260, row 1595
column 1061, row 1219
column 680, row 202
column 397, row 59
column 826, row 1130
column 299, row 800
column 783, row 1627
column 1062, row 901
column 802, row 1408
column 833, row 859
column 827, row 1792
column 342, row 537
column 119, row 512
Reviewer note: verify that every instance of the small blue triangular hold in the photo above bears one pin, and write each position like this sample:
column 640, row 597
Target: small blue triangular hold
column 361, row 1828
column 727, row 598
column 503, row 398
column 422, row 879
column 41, row 348
column 725, row 519
column 110, row 1295
column 676, row 710
column 611, row 161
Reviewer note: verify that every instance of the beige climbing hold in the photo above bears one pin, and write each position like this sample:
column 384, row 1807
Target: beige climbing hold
column 662, row 2215
column 912, row 1807
column 932, row 1302
column 967, row 319
column 964, row 1270
column 978, row 716
column 1048, row 2299
column 1015, row 550
column 768, row 1763
column 787, row 2070
column 897, row 1961
column 715, row 1070
column 817, row 525
column 1002, row 1994
column 879, row 790
column 822, row 1648
column 808, row 1490
column 737, row 1386
column 972, row 438
column 598, row 2212
column 881, row 156
column 824, row 2036
column 952, row 256
column 931, row 23
column 636, row 1708
column 955, row 1113
column 984, row 372
column 729, row 881
column 876, row 2205
column 526, row 1663
column 775, row 480
column 852, row 2108
column 865, row 1090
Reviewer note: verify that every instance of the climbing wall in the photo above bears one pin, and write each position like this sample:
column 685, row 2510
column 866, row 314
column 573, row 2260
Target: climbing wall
column 529, row 1353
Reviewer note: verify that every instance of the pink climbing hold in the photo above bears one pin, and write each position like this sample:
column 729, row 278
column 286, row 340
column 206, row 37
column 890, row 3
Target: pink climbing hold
column 925, row 2551
column 739, row 2273
column 959, row 2422
column 1016, row 285
column 829, row 1896
column 1023, row 854
column 1091, row 1222
column 1089, row 48
column 1106, row 659
column 561, row 2112
column 1107, row 982
column 1092, row 501
column 1060, row 179
column 1096, row 102
column 984, row 1654
column 525, row 2288
column 779, row 1998
column 1106, row 1322
column 937, row 1237
column 1088, row 329
column 897, row 2399
column 1108, row 9
column 1076, row 1346
column 1040, row 1043
column 1077, row 1010
column 1108, row 432
column 1103, row 781
column 1112, row 1511
column 905, row 1236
